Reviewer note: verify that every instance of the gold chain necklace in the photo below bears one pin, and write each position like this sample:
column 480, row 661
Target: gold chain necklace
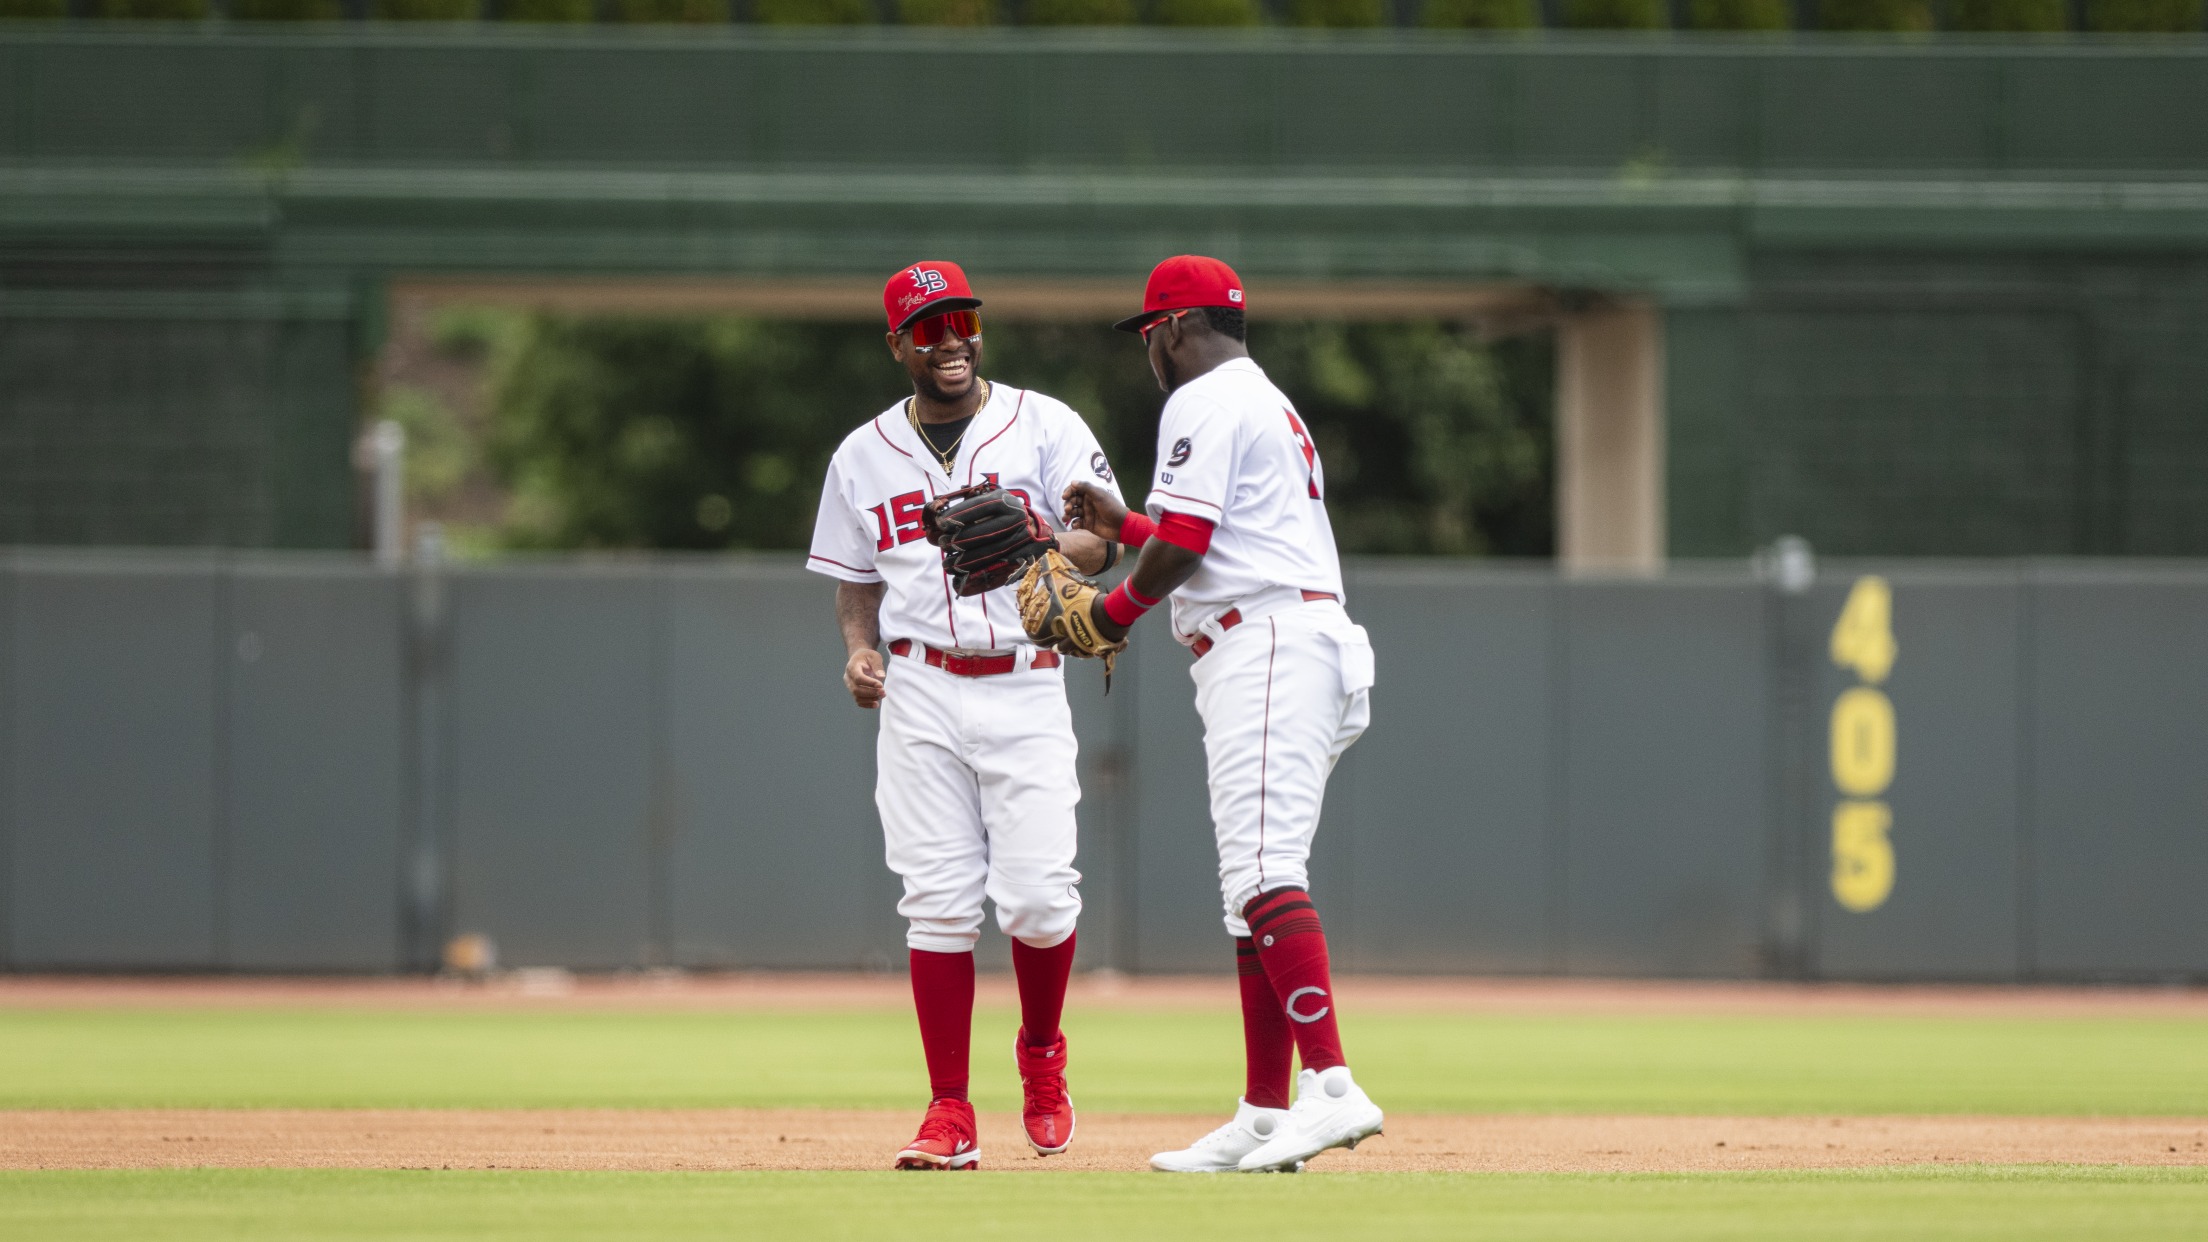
column 947, row 458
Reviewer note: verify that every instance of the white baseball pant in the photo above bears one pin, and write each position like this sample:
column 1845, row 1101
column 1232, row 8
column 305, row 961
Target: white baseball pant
column 974, row 779
column 1282, row 695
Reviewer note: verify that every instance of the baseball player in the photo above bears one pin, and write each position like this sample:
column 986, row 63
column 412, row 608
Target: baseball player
column 975, row 754
column 1237, row 534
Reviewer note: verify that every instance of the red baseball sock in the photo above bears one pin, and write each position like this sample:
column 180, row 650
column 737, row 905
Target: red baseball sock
column 1041, row 974
column 943, row 996
column 1268, row 1047
column 1292, row 947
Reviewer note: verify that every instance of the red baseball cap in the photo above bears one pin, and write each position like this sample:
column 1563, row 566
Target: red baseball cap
column 1182, row 282
column 926, row 288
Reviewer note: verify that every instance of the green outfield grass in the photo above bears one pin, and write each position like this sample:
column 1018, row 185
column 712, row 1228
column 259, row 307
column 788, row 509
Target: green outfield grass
column 252, row 1205
column 1166, row 1061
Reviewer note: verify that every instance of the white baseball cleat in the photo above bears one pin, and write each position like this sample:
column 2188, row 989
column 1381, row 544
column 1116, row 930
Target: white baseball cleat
column 1331, row 1110
column 1221, row 1150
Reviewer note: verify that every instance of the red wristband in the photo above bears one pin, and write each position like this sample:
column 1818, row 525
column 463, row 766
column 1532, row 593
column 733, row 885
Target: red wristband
column 1135, row 529
column 1125, row 607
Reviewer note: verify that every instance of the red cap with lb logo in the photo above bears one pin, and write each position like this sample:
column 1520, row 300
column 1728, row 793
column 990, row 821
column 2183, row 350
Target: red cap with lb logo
column 1182, row 282
column 926, row 288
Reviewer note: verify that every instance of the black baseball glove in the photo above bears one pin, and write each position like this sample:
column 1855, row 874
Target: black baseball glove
column 987, row 534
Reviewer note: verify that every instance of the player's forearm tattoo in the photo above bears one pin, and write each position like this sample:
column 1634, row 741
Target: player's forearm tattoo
column 859, row 614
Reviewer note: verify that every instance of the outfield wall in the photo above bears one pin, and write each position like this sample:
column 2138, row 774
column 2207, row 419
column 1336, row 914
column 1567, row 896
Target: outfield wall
column 301, row 763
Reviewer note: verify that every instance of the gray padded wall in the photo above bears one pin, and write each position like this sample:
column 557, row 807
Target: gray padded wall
column 2119, row 773
column 554, row 695
column 316, row 785
column 209, row 763
column 1176, row 863
column 1954, row 912
column 1665, row 703
column 775, row 854
column 1453, row 817
column 1106, row 814
column 113, row 685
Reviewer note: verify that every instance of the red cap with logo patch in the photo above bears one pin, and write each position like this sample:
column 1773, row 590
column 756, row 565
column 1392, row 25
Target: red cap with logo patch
column 926, row 288
column 1182, row 282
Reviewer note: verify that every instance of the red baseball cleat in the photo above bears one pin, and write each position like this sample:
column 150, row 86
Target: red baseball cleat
column 1048, row 1112
column 948, row 1139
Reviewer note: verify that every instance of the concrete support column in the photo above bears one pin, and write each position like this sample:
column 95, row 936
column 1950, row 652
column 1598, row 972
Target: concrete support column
column 1610, row 439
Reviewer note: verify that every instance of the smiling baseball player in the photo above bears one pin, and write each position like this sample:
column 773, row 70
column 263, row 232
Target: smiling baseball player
column 1237, row 533
column 975, row 754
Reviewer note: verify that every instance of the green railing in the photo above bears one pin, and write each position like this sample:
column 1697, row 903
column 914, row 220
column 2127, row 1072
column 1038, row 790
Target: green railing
column 1640, row 113
column 2039, row 17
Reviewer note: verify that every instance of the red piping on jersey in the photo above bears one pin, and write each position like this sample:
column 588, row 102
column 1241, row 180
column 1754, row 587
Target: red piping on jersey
column 973, row 459
column 950, row 606
column 1159, row 491
column 1183, row 531
column 885, row 436
column 1264, row 751
column 1017, row 406
column 815, row 556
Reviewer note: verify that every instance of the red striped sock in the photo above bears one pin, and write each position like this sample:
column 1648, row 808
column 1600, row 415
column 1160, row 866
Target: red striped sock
column 1292, row 947
column 943, row 996
column 1269, row 1048
column 1041, row 974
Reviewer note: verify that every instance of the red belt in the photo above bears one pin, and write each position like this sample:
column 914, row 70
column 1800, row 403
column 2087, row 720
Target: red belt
column 1233, row 617
column 974, row 666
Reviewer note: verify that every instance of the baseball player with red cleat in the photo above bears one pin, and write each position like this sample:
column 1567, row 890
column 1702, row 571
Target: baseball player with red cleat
column 975, row 754
column 1237, row 534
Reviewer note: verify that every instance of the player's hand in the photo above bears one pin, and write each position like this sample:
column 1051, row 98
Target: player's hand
column 864, row 678
column 1085, row 550
column 1091, row 508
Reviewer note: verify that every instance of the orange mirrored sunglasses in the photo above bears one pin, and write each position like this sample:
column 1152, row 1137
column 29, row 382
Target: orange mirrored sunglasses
column 1144, row 330
column 936, row 329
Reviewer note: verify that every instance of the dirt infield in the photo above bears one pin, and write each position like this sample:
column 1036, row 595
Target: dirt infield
column 527, row 989
column 804, row 1139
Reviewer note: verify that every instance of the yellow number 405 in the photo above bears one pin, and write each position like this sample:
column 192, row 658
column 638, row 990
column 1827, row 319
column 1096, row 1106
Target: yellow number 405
column 1863, row 638
column 1862, row 855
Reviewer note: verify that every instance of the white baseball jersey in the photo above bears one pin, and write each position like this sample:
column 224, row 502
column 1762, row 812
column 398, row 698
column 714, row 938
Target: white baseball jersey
column 1286, row 691
column 974, row 776
column 1233, row 451
column 868, row 529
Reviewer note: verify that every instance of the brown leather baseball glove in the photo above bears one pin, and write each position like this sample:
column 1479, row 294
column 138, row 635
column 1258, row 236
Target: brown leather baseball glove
column 1058, row 609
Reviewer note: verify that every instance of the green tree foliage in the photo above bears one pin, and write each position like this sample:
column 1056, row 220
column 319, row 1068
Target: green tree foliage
column 1481, row 14
column 1434, row 443
column 1206, row 13
column 2143, row 16
column 947, row 12
column 154, row 10
column 1078, row 13
column 628, row 433
column 287, row 10
column 1617, row 14
column 1873, row 15
column 622, row 433
column 2027, row 16
column 427, row 10
column 815, row 12
column 33, row 10
column 547, row 10
column 1338, row 13
column 1740, row 14
column 685, row 12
